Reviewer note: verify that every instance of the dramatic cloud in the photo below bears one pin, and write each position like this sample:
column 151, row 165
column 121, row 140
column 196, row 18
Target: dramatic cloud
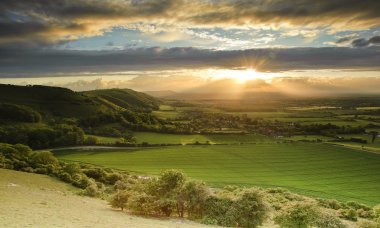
column 46, row 21
column 38, row 62
column 364, row 42
column 190, row 86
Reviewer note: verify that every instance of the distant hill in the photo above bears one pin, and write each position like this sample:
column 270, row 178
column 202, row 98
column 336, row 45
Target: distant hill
column 63, row 102
column 125, row 99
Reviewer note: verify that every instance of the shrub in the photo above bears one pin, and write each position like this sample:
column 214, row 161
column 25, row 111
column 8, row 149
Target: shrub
column 113, row 178
column 65, row 177
column 247, row 209
column 365, row 213
column 330, row 203
column 217, row 209
column 96, row 173
column 142, row 203
column 91, row 140
column 349, row 214
column 91, row 189
column 251, row 209
column 80, row 181
column 376, row 210
column 367, row 224
column 44, row 158
column 120, row 199
column 193, row 196
column 120, row 185
column 297, row 215
column 357, row 206
column 326, row 220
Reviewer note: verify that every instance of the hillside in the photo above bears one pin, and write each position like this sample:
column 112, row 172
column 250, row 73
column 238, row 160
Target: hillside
column 63, row 102
column 32, row 200
column 125, row 98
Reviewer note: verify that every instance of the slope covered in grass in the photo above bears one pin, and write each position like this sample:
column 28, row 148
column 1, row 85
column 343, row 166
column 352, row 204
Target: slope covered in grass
column 32, row 200
column 63, row 102
column 126, row 98
column 318, row 170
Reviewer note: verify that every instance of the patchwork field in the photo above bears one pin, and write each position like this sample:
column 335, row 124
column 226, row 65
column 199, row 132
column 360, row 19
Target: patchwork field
column 320, row 170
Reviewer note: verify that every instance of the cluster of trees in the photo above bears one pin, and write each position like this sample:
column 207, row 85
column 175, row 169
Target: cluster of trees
column 93, row 180
column 120, row 124
column 12, row 112
column 200, row 122
column 38, row 137
column 171, row 193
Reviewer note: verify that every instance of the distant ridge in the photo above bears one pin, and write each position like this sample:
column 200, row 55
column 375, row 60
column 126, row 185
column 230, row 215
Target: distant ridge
column 64, row 102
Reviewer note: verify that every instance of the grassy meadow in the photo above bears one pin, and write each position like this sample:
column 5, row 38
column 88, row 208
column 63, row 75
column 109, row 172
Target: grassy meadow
column 319, row 170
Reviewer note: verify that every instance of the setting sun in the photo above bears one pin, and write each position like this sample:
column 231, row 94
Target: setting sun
column 240, row 76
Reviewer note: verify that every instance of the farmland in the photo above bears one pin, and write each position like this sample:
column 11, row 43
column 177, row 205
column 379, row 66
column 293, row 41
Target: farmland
column 319, row 170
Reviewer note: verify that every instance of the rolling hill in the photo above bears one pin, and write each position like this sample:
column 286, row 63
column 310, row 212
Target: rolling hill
column 63, row 102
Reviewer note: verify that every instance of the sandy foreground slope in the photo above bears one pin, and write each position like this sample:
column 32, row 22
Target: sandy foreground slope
column 31, row 200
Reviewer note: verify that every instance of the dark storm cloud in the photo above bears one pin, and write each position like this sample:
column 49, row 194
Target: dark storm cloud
column 361, row 42
column 30, row 62
column 69, row 19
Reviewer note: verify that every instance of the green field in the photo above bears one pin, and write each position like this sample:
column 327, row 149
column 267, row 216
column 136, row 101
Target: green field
column 106, row 140
column 162, row 138
column 319, row 170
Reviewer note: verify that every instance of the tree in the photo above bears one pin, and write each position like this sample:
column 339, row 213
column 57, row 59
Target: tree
column 252, row 210
column 192, row 197
column 120, row 199
column 374, row 135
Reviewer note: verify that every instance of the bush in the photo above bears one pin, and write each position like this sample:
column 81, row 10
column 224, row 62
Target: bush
column 349, row 214
column 92, row 189
column 120, row 185
column 247, row 209
column 297, row 215
column 367, row 224
column 193, row 195
column 251, row 209
column 357, row 206
column 142, row 203
column 44, row 158
column 326, row 220
column 120, row 199
column 113, row 178
column 376, row 210
column 65, row 177
column 330, row 203
column 90, row 140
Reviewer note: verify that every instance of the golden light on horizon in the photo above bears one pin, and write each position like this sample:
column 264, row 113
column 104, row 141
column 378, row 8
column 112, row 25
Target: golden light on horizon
column 240, row 76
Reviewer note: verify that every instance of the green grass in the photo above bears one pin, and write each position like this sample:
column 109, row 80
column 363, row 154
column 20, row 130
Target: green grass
column 106, row 140
column 319, row 170
column 159, row 138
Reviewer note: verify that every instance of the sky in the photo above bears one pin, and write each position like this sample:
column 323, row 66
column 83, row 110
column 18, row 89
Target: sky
column 324, row 46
